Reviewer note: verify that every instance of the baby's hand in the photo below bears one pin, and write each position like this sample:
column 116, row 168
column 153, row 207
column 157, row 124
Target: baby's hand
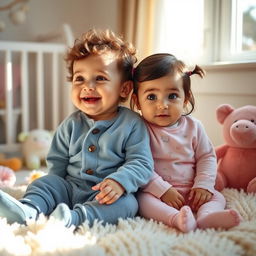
column 173, row 198
column 199, row 196
column 110, row 191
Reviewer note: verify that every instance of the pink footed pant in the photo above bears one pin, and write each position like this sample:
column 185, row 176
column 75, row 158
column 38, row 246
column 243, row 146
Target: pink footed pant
column 210, row 214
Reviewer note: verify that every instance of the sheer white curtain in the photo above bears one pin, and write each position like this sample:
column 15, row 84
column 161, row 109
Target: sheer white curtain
column 137, row 22
column 179, row 29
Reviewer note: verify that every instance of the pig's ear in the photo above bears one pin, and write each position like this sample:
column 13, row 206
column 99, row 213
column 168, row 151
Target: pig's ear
column 223, row 111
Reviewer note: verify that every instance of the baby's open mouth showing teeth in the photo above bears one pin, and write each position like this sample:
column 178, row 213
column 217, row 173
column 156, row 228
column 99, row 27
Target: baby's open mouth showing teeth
column 90, row 99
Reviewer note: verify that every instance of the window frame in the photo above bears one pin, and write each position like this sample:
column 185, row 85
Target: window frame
column 228, row 28
column 219, row 34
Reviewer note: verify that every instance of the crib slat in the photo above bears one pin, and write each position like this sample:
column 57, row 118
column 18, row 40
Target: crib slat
column 9, row 98
column 27, row 63
column 40, row 91
column 24, row 92
column 32, row 47
column 55, row 92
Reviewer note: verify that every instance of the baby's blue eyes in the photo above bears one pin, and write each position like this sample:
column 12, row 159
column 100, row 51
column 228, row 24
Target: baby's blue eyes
column 171, row 96
column 151, row 97
column 79, row 79
column 101, row 78
column 97, row 78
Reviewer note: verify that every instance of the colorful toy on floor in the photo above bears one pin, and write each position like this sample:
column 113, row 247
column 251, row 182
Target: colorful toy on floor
column 14, row 163
column 7, row 177
column 35, row 146
column 237, row 157
column 35, row 174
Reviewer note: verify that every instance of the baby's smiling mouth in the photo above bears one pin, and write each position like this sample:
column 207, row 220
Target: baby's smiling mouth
column 90, row 99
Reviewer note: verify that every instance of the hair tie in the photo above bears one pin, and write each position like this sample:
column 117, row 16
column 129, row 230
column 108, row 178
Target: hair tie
column 189, row 73
column 133, row 69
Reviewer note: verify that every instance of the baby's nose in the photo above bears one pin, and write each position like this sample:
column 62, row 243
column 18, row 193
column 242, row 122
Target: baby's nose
column 89, row 86
column 163, row 105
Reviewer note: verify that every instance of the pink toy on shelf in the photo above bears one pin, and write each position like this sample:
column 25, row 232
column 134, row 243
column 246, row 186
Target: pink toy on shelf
column 7, row 177
column 237, row 157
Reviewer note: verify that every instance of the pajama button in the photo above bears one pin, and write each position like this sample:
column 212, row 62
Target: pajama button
column 89, row 171
column 92, row 148
column 95, row 131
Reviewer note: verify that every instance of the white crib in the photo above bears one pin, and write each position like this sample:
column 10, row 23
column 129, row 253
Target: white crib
column 33, row 89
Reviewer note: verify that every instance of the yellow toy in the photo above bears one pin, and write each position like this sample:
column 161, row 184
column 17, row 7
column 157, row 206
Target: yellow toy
column 13, row 163
column 35, row 174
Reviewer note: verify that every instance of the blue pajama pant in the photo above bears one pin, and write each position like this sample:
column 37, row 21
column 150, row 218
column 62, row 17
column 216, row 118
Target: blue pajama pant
column 48, row 191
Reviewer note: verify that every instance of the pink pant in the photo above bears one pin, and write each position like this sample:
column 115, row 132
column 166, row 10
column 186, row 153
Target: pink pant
column 151, row 207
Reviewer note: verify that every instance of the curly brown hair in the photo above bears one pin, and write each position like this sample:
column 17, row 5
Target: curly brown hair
column 97, row 41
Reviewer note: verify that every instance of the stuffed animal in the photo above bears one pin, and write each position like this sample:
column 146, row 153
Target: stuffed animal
column 7, row 177
column 14, row 163
column 35, row 146
column 237, row 157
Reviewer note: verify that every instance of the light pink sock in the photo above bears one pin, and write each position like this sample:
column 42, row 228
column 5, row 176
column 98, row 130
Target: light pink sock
column 185, row 220
column 223, row 219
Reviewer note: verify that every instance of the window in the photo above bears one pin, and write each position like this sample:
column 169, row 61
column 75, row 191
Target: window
column 179, row 28
column 249, row 25
column 207, row 31
column 237, row 30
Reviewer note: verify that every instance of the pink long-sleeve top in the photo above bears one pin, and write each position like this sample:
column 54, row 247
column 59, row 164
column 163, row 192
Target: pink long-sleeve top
column 183, row 157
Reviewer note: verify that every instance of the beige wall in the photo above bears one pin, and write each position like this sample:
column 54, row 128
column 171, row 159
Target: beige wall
column 47, row 16
column 232, row 84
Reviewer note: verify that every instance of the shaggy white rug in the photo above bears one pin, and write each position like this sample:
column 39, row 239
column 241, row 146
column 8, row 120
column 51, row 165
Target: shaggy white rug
column 133, row 237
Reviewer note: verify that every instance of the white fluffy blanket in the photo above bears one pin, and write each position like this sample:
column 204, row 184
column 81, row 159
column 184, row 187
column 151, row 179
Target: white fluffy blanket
column 133, row 237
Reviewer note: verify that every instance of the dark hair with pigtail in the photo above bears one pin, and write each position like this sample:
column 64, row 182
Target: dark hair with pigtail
column 162, row 64
column 198, row 71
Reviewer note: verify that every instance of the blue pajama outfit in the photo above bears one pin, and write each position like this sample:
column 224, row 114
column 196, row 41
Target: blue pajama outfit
column 83, row 153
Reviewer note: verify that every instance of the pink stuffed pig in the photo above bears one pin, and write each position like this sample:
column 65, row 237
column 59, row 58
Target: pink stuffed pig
column 237, row 158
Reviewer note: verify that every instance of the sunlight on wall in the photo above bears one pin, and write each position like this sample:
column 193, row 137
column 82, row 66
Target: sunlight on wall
column 9, row 77
column 179, row 29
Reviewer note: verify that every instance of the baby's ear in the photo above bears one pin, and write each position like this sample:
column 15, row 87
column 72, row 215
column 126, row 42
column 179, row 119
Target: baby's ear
column 185, row 103
column 126, row 88
column 136, row 101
